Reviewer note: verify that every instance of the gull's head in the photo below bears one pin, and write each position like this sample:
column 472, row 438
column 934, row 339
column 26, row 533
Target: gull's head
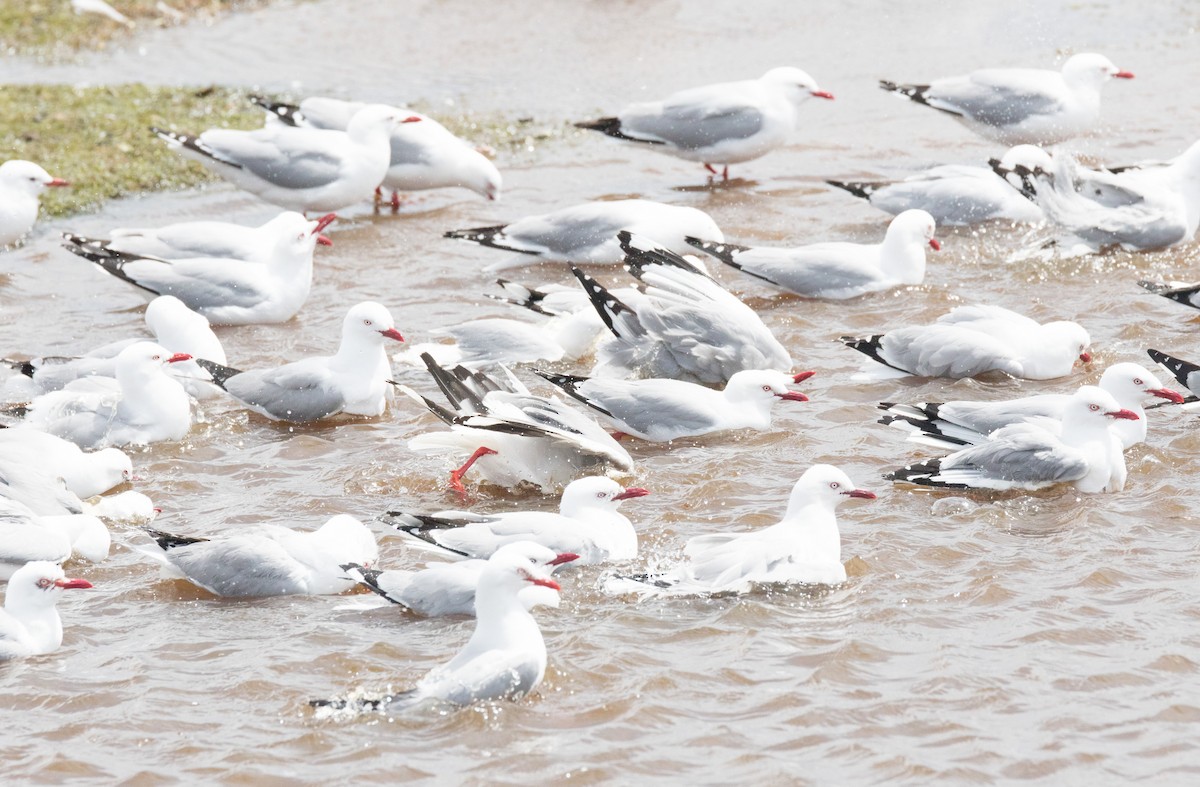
column 762, row 387
column 372, row 322
column 166, row 314
column 1064, row 337
column 1130, row 383
column 1090, row 68
column 27, row 177
column 797, row 84
column 596, row 492
column 145, row 358
column 522, row 565
column 915, row 226
column 376, row 118
column 344, row 539
column 1094, row 407
column 827, row 486
column 39, row 584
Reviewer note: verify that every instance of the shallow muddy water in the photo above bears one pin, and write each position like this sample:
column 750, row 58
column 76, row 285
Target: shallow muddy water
column 1047, row 637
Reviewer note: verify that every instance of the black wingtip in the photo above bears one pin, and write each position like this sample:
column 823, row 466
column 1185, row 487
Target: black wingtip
column 220, row 374
column 861, row 189
column 169, row 541
column 611, row 126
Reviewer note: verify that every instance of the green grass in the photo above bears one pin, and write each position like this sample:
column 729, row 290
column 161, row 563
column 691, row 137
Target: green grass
column 49, row 28
column 98, row 138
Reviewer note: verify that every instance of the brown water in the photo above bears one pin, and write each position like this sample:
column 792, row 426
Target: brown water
column 1046, row 637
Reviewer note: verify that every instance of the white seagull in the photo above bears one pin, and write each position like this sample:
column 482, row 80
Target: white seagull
column 505, row 658
column 956, row 424
column 721, row 124
column 972, row 340
column 304, row 169
column 513, row 435
column 804, row 547
column 30, row 624
column 21, row 183
column 209, row 239
column 838, row 270
column 143, row 405
column 956, row 195
column 679, row 324
column 664, row 410
column 449, row 588
column 1085, row 451
column 587, row 233
column 425, row 155
column 85, row 473
column 1022, row 105
column 225, row 290
column 587, row 525
column 353, row 381
column 268, row 560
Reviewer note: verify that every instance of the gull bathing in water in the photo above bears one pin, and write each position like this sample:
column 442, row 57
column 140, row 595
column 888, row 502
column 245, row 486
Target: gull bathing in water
column 30, row 624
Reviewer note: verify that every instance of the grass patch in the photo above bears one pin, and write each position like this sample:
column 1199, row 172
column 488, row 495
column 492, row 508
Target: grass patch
column 49, row 28
column 98, row 137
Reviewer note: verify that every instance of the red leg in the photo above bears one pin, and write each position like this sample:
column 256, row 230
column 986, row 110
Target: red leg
column 725, row 173
column 456, row 476
column 395, row 200
column 711, row 168
column 618, row 435
column 378, row 194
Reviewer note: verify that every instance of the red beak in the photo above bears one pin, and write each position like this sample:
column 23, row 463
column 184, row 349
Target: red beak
column 324, row 241
column 177, row 357
column 546, row 583
column 1123, row 75
column 1166, row 393
column 633, row 491
column 324, row 222
column 59, row 182
column 70, row 584
column 802, row 376
column 1085, row 357
column 823, row 94
column 392, row 333
column 862, row 494
column 1125, row 415
column 793, row 396
column 565, row 557
column 411, row 119
column 933, row 244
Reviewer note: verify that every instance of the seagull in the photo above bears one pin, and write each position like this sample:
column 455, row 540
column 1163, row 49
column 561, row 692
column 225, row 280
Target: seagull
column 175, row 327
column 1181, row 292
column 488, row 341
column 1138, row 210
column 726, row 123
column 661, row 410
column 1022, row 105
column 25, row 535
column 449, row 588
column 956, row 424
column 804, row 547
column 225, row 290
column 302, row 169
column 956, row 195
column 425, row 155
column 972, row 340
column 680, row 324
column 838, row 270
column 29, row 624
column 143, row 405
column 515, row 436
column 85, row 474
column 587, row 525
column 354, row 381
column 505, row 658
column 44, row 493
column 587, row 233
column 210, row 239
column 268, row 560
column 21, row 183
column 1085, row 451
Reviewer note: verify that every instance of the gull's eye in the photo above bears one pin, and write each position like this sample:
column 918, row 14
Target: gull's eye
column 533, row 560
column 44, row 583
column 1095, row 408
column 767, row 388
column 366, row 322
column 602, row 495
column 155, row 357
column 835, row 485
column 1138, row 381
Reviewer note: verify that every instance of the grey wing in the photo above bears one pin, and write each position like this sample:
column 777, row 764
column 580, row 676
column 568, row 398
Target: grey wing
column 279, row 156
column 995, row 104
column 239, row 567
column 491, row 675
column 644, row 409
column 694, row 125
column 297, row 392
column 202, row 283
column 811, row 278
column 407, row 151
column 946, row 351
column 567, row 237
column 1021, row 454
column 503, row 341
